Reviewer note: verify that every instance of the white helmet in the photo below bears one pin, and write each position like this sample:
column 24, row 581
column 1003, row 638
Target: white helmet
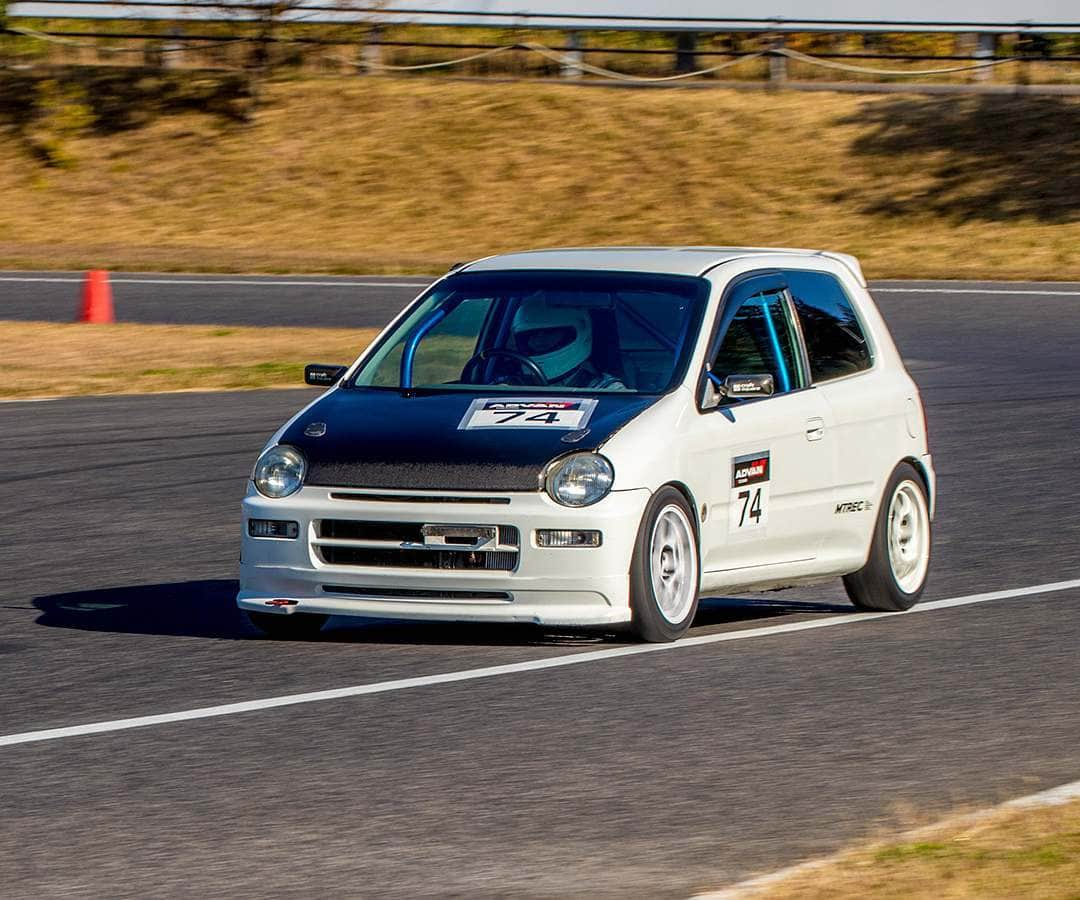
column 557, row 338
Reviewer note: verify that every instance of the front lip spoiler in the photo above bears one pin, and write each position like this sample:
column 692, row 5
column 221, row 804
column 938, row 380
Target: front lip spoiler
column 583, row 607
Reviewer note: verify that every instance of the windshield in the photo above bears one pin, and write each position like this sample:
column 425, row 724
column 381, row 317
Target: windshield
column 577, row 331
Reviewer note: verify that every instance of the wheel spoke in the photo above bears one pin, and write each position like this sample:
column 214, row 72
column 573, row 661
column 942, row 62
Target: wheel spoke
column 673, row 561
column 907, row 536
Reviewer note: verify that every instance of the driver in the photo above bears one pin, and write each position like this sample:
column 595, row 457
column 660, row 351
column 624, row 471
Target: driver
column 559, row 339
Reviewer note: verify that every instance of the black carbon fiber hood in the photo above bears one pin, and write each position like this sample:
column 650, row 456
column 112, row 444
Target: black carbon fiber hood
column 387, row 439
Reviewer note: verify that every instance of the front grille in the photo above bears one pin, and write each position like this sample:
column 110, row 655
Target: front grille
column 401, row 545
column 345, row 529
column 417, row 498
column 454, row 560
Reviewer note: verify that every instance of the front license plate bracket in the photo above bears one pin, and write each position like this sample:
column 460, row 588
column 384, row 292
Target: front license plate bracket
column 466, row 537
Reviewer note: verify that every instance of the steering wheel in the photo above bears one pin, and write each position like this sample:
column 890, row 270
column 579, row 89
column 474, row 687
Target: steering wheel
column 527, row 365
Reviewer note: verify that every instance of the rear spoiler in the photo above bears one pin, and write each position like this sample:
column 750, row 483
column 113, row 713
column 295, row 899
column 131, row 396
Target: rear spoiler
column 849, row 262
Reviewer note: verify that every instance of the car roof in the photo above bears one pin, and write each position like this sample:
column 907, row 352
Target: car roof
column 669, row 260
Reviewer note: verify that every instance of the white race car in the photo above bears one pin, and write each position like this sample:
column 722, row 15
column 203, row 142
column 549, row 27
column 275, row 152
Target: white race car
column 598, row 437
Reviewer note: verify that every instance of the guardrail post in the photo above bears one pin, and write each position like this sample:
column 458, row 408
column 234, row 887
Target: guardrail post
column 685, row 52
column 371, row 53
column 152, row 57
column 985, row 46
column 572, row 58
column 778, row 62
column 1029, row 47
column 172, row 52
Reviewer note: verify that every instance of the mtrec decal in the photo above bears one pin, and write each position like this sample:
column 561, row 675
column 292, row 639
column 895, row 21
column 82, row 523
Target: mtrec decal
column 528, row 412
column 853, row 506
column 748, row 504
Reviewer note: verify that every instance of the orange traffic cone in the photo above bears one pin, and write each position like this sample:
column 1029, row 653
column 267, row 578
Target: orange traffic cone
column 97, row 305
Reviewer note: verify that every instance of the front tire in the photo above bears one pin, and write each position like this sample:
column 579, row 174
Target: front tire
column 290, row 627
column 895, row 572
column 664, row 573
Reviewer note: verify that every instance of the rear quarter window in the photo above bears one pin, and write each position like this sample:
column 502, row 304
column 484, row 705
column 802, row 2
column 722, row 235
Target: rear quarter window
column 835, row 340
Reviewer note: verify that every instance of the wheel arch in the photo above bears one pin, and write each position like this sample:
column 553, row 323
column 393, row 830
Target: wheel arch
column 688, row 495
column 924, row 476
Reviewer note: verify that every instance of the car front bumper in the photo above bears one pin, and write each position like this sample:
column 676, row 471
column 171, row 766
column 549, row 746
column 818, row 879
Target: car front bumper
column 548, row 586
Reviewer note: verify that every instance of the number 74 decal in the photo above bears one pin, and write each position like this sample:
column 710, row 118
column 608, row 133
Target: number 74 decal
column 751, row 512
column 748, row 503
column 566, row 413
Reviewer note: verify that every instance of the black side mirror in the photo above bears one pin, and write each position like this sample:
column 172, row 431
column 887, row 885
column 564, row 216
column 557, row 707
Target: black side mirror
column 323, row 376
column 735, row 387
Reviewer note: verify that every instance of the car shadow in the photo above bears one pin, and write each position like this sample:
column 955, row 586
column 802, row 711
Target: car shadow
column 726, row 610
column 186, row 609
column 207, row 609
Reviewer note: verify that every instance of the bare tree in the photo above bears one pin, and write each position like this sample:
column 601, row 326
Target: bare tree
column 266, row 22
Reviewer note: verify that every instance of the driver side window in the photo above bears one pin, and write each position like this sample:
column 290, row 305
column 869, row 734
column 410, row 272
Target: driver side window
column 761, row 340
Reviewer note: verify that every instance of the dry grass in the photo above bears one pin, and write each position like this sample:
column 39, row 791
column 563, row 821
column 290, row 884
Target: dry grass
column 406, row 175
column 1015, row 853
column 48, row 360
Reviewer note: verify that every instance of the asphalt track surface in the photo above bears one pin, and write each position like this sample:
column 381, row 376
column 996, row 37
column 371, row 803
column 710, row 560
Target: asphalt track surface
column 657, row 775
column 294, row 300
column 307, row 301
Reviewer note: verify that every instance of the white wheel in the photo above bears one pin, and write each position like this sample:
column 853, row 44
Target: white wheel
column 673, row 564
column 664, row 573
column 895, row 572
column 909, row 536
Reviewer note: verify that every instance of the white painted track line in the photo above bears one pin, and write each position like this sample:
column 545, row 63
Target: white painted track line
column 254, row 282
column 754, row 887
column 987, row 290
column 401, row 684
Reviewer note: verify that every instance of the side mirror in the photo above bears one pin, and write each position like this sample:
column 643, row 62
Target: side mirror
column 323, row 376
column 735, row 387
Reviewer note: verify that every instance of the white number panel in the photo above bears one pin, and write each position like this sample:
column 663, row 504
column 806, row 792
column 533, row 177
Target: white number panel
column 528, row 412
column 749, row 502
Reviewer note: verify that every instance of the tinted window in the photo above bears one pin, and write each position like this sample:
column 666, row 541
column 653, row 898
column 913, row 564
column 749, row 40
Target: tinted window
column 759, row 340
column 538, row 330
column 834, row 338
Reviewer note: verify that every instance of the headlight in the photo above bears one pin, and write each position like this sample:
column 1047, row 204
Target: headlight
column 280, row 472
column 579, row 480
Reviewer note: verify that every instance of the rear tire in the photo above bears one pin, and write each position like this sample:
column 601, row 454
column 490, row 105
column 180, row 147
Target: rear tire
column 664, row 574
column 289, row 627
column 895, row 572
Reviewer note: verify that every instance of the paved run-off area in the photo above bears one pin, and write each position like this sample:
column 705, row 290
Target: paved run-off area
column 660, row 774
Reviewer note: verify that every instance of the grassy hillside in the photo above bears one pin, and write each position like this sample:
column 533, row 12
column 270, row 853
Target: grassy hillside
column 370, row 174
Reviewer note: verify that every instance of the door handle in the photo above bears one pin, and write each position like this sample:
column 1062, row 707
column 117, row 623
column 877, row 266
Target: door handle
column 815, row 429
